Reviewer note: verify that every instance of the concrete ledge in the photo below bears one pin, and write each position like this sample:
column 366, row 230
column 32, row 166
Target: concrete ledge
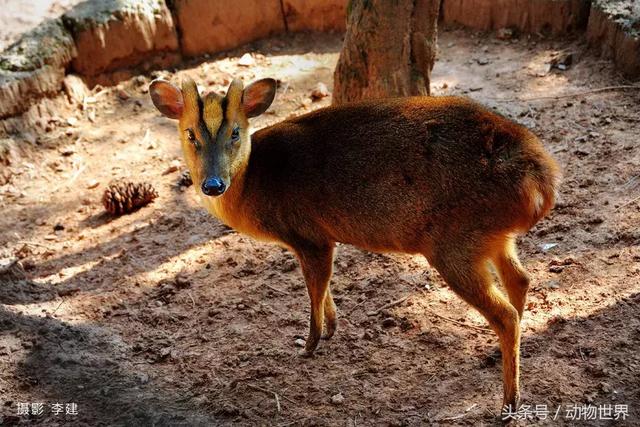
column 34, row 67
column 614, row 31
column 104, row 41
column 554, row 17
column 115, row 34
column 208, row 26
column 315, row 15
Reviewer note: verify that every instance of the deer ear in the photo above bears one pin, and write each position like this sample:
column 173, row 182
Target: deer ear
column 167, row 98
column 258, row 96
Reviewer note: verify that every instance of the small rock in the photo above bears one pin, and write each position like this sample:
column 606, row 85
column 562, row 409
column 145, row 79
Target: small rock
column 337, row 399
column 505, row 34
column 173, row 167
column 185, row 179
column 72, row 121
column 75, row 88
column 67, row 151
column 605, row 387
column 556, row 268
column 389, row 322
column 562, row 62
column 142, row 377
column 368, row 335
column 557, row 320
column 93, row 183
column 288, row 266
column 182, row 281
column 58, row 227
column 563, row 262
column 11, row 268
column 68, row 291
column 482, row 61
column 164, row 352
column 28, row 264
column 582, row 138
column 319, row 92
column 123, row 94
column 548, row 246
column 553, row 284
column 299, row 342
column 141, row 80
column 246, row 60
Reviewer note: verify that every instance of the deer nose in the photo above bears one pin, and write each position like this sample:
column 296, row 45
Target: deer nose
column 213, row 186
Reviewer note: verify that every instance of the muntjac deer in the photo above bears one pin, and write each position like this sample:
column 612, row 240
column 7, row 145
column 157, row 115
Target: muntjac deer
column 437, row 176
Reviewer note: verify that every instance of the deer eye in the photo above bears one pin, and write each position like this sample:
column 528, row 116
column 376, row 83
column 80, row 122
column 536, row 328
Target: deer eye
column 235, row 134
column 192, row 138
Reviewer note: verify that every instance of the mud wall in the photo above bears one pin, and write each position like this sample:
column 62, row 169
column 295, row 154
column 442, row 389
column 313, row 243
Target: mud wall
column 552, row 17
column 105, row 41
column 612, row 27
column 614, row 31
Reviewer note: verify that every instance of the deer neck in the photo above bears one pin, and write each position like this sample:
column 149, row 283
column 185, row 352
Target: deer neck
column 230, row 206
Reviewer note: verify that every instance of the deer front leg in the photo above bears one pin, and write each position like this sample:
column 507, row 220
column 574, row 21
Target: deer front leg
column 316, row 262
column 330, row 317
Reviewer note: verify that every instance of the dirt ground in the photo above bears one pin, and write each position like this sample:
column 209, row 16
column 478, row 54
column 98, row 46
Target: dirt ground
column 167, row 317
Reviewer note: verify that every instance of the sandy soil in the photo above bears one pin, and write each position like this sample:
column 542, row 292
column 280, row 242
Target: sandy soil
column 167, row 317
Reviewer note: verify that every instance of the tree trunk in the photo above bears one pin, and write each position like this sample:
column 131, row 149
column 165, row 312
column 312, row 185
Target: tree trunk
column 389, row 49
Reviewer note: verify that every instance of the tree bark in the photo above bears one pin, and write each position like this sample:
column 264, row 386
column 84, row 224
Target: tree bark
column 389, row 49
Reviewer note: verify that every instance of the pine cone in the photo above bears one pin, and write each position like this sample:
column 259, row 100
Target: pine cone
column 185, row 179
column 124, row 197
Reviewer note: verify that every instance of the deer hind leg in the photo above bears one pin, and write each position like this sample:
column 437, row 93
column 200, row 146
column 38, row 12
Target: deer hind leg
column 469, row 277
column 513, row 276
column 316, row 262
column 330, row 318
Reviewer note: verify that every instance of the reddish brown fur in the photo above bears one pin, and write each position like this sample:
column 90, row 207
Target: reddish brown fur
column 395, row 175
column 442, row 177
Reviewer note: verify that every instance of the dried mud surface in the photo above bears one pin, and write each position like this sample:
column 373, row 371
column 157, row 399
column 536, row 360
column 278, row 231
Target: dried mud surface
column 167, row 317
